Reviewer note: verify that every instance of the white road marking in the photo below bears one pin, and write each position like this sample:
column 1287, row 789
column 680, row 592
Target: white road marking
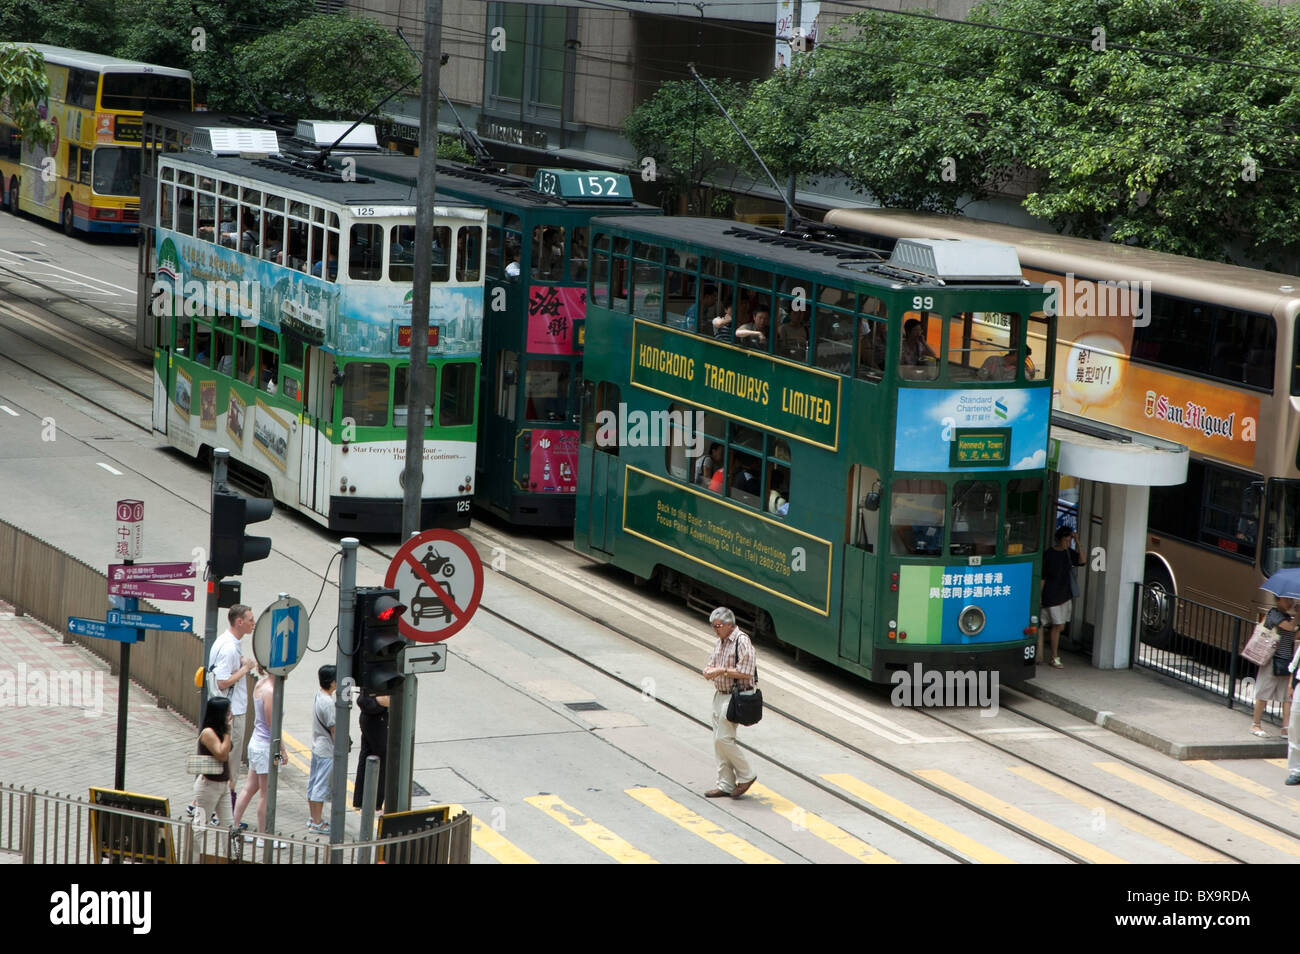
column 99, row 281
column 111, row 470
column 8, row 410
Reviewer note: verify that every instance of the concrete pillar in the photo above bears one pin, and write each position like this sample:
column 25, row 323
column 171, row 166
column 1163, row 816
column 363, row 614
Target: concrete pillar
column 1124, row 552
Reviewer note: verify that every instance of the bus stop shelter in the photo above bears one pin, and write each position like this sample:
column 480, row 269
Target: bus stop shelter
column 1116, row 469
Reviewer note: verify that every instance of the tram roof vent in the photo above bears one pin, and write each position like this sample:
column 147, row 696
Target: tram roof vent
column 320, row 133
column 958, row 260
column 235, row 141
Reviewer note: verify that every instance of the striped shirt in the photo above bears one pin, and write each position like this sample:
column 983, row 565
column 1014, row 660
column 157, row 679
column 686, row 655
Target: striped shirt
column 725, row 655
column 1285, row 638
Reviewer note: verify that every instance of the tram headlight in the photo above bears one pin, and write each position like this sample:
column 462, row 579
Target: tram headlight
column 971, row 621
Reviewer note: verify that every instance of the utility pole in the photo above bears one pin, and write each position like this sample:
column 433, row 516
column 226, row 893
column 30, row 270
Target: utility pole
column 790, row 183
column 419, row 367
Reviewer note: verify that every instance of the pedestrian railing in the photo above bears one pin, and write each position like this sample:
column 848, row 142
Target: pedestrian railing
column 48, row 828
column 1195, row 644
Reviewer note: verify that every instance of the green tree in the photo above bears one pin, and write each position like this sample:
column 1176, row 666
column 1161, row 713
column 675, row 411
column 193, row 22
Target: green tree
column 681, row 130
column 23, row 89
column 91, row 25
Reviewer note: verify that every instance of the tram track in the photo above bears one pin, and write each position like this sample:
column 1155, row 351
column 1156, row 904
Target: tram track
column 495, row 539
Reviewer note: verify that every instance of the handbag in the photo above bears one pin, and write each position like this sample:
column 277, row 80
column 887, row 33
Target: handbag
column 746, row 705
column 1261, row 646
column 204, row 765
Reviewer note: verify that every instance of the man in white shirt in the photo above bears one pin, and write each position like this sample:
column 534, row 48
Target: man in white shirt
column 229, row 666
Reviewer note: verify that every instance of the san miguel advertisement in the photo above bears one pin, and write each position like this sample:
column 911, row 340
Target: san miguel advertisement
column 1096, row 379
column 797, row 402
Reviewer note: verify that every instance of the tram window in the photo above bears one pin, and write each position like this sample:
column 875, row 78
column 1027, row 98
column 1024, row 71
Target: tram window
column 618, row 284
column 975, row 505
column 272, row 244
column 456, row 399
column 401, row 387
column 296, row 250
column 778, row 488
column 792, row 328
column 366, row 253
column 469, row 253
column 442, row 253
column 864, row 508
column 742, row 436
column 224, row 354
column 647, row 290
column 1024, row 515
column 294, row 352
column 578, row 255
column 268, row 374
column 293, row 388
column 600, row 279
column 1039, row 330
column 166, row 206
column 604, row 410
column 203, row 343
column 833, row 331
column 873, row 337
column 679, row 306
column 546, row 390
column 507, row 384
column 246, row 361
column 495, row 238
column 685, row 446
column 745, row 484
column 916, row 517
column 917, row 359
column 365, row 393
column 547, row 261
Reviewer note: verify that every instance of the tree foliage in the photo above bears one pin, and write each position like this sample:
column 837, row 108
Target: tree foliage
column 23, row 89
column 91, row 25
column 1172, row 124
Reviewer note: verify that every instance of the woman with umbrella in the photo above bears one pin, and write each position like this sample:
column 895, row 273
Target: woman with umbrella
column 1274, row 680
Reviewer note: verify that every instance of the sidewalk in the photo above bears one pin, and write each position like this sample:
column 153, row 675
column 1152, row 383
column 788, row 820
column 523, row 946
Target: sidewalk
column 1165, row 715
column 58, row 729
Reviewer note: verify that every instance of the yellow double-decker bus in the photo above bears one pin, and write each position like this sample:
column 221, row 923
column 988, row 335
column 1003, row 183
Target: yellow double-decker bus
column 89, row 177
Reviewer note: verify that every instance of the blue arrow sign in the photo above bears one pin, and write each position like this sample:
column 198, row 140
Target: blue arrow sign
column 284, row 636
column 102, row 630
column 168, row 622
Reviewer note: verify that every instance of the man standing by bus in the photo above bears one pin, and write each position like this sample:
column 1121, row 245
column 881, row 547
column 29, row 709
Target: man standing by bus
column 1058, row 590
column 731, row 664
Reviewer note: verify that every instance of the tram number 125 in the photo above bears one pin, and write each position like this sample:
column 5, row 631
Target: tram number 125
column 462, row 506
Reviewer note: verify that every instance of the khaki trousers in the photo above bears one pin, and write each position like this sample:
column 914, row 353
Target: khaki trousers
column 733, row 767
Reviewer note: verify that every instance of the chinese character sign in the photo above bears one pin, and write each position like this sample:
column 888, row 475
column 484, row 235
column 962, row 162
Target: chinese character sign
column 129, row 543
column 551, row 313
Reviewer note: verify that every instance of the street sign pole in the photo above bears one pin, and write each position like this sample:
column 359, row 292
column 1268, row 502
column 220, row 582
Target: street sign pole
column 123, row 698
column 343, row 696
column 273, row 770
column 219, row 458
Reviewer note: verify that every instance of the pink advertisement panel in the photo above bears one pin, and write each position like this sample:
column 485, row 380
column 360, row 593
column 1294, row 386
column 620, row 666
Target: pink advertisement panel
column 551, row 314
column 553, row 462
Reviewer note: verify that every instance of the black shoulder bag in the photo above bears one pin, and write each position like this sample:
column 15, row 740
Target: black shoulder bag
column 746, row 705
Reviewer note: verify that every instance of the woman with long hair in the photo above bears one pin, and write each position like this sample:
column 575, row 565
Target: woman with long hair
column 214, row 740
column 259, row 752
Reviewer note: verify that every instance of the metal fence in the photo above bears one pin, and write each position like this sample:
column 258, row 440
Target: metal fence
column 46, row 828
column 1195, row 644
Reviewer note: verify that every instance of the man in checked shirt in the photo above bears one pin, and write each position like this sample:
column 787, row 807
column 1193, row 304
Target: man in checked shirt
column 732, row 663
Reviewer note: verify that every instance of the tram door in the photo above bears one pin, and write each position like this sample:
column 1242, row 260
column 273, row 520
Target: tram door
column 606, row 488
column 499, row 452
column 317, row 413
column 858, row 602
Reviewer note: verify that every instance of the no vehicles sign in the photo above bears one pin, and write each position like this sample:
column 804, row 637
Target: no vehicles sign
column 440, row 578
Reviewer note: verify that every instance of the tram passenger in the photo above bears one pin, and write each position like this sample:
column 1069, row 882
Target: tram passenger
column 578, row 255
column 331, row 263
column 708, row 464
column 753, row 334
column 915, row 350
column 792, row 337
column 744, row 478
column 722, row 324
column 512, row 260
column 705, row 311
column 776, row 499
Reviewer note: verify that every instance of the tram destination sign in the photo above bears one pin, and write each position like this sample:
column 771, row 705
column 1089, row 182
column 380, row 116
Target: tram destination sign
column 750, row 549
column 797, row 402
column 983, row 447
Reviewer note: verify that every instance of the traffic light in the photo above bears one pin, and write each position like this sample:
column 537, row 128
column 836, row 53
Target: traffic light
column 377, row 643
column 231, row 547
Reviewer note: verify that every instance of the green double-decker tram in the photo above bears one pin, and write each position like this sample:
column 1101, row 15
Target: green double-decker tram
column 847, row 448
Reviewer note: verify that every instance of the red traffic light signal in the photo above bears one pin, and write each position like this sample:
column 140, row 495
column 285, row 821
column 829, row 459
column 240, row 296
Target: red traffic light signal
column 377, row 643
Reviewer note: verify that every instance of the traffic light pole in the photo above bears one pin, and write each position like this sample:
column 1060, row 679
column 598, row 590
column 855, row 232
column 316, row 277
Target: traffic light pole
column 220, row 456
column 343, row 696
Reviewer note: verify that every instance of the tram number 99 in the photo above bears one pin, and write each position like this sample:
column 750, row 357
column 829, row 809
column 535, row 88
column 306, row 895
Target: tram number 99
column 1030, row 652
column 922, row 302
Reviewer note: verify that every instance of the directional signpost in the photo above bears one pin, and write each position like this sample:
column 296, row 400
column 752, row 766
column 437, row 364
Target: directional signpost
column 426, row 658
column 279, row 644
column 126, row 583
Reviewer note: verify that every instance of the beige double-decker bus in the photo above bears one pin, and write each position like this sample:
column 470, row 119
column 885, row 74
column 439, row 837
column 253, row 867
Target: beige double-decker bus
column 1195, row 352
